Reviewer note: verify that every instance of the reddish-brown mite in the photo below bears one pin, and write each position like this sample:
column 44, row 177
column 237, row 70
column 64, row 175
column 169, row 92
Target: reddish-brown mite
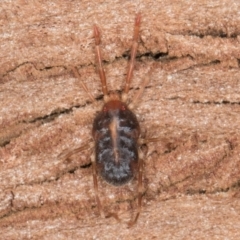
column 117, row 156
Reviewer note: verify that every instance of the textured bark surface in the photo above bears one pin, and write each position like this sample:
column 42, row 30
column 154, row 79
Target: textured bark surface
column 192, row 103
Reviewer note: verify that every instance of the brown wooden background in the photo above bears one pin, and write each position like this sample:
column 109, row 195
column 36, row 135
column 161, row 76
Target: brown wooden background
column 191, row 176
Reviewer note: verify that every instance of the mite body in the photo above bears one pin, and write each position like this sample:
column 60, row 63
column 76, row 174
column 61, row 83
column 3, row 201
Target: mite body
column 116, row 132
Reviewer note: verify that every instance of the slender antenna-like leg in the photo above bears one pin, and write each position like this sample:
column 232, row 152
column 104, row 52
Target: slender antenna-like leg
column 66, row 154
column 139, row 93
column 99, row 60
column 142, row 141
column 95, row 183
column 76, row 73
column 133, row 53
column 140, row 188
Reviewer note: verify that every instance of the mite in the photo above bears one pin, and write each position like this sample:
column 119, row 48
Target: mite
column 117, row 156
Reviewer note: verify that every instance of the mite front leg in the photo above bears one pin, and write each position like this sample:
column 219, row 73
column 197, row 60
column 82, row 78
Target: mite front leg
column 133, row 53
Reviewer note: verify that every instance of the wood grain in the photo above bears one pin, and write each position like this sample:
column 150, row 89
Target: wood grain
column 191, row 175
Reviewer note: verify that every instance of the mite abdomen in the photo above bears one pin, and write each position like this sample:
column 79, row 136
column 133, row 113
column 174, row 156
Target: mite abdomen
column 117, row 171
column 115, row 132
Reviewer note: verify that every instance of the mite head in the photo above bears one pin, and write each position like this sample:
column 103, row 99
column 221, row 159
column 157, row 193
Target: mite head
column 114, row 105
column 115, row 95
column 114, row 102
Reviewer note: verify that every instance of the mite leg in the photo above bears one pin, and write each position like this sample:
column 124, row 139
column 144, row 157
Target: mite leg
column 139, row 93
column 140, row 178
column 142, row 141
column 95, row 183
column 76, row 73
column 133, row 54
column 99, row 61
column 66, row 154
column 140, row 188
